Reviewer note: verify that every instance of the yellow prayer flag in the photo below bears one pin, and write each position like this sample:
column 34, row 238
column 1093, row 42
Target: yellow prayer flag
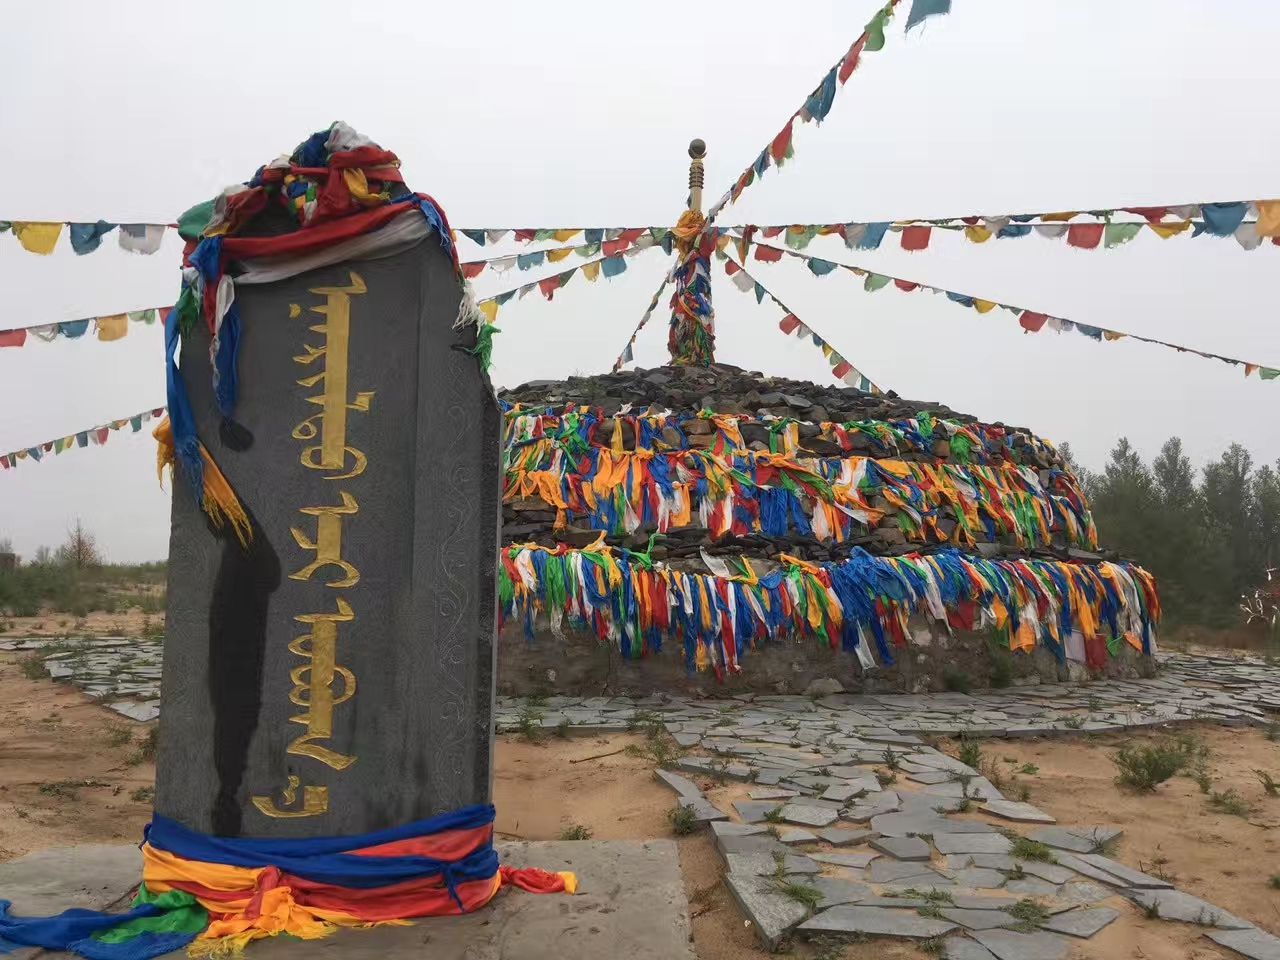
column 1269, row 218
column 1067, row 215
column 827, row 350
column 490, row 310
column 1167, row 230
column 591, row 270
column 983, row 306
column 1111, row 335
column 555, row 256
column 37, row 237
column 113, row 327
column 977, row 234
column 563, row 235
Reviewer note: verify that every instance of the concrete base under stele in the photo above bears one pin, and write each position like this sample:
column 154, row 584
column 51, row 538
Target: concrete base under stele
column 630, row 903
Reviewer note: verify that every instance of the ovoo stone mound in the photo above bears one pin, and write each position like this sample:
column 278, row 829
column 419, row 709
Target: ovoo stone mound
column 724, row 473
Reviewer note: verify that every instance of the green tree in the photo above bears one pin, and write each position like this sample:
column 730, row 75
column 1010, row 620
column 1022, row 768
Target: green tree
column 1177, row 548
column 1125, row 505
column 1229, row 511
column 1266, row 519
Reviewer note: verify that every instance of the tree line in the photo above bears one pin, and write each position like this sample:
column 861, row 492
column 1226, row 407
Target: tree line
column 1208, row 536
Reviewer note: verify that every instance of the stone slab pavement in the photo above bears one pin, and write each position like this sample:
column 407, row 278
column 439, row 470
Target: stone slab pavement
column 630, row 903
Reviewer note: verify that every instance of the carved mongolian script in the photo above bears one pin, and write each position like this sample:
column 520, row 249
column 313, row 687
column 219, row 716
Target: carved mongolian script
column 314, row 680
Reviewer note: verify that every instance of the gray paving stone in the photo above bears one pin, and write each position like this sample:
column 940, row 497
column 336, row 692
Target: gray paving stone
column 971, row 843
column 770, row 793
column 929, row 775
column 797, row 835
column 886, row 870
column 979, row 878
column 980, row 902
column 1046, row 871
column 1031, row 888
column 977, row 919
column 960, row 948
column 836, row 891
column 909, row 824
column 876, row 921
column 903, row 848
column 770, row 913
column 988, row 861
column 1176, row 905
column 1074, row 862
column 809, row 816
column 840, row 837
column 1007, row 945
column 1130, row 877
column 854, row 861
column 704, row 811
column 683, row 786
column 1082, row 893
column 764, row 865
column 1082, row 923
column 727, row 828
column 1020, row 812
column 763, row 843
column 753, row 811
column 1255, row 944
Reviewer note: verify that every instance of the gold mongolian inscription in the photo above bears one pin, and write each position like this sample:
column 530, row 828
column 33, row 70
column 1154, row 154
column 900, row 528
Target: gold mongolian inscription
column 315, row 800
column 332, row 453
column 328, row 541
column 314, row 680
column 313, row 684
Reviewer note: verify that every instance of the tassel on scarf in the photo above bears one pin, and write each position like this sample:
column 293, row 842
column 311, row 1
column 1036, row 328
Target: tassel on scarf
column 217, row 498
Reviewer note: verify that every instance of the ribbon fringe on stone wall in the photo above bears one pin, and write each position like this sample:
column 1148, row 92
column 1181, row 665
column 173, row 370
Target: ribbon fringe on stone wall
column 1031, row 321
column 726, row 488
column 863, row 605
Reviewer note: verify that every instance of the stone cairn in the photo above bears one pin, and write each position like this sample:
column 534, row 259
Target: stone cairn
column 759, row 400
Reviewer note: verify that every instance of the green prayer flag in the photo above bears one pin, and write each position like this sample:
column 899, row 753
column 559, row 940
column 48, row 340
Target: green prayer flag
column 1118, row 233
column 192, row 223
column 1268, row 373
column 875, row 31
column 875, row 281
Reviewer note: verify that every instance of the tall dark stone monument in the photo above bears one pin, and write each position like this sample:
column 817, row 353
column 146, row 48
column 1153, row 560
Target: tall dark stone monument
column 335, row 676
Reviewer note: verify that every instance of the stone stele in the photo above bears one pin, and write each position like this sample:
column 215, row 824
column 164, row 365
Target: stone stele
column 336, row 677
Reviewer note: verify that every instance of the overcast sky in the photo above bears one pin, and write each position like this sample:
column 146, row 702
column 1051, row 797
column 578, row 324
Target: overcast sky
column 578, row 114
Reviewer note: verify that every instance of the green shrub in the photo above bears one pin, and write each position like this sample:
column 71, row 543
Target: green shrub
column 1145, row 768
column 955, row 681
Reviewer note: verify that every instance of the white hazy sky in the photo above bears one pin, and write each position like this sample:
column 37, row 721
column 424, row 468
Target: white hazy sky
column 578, row 113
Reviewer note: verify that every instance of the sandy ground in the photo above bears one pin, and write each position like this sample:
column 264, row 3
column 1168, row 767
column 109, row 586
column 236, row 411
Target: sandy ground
column 68, row 775
column 1225, row 859
column 127, row 623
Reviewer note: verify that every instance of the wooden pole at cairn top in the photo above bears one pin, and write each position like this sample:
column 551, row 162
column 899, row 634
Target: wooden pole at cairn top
column 692, row 338
column 697, row 150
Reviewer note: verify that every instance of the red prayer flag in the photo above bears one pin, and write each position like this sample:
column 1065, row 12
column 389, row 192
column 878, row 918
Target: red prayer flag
column 612, row 248
column 916, row 238
column 789, row 323
column 4, row 461
column 730, row 268
column 632, row 234
column 778, row 149
column 850, row 62
column 164, row 316
column 770, row 232
column 1150, row 214
column 526, row 235
column 842, row 369
column 549, row 286
column 473, row 270
column 102, row 434
column 768, row 254
column 1032, row 322
column 13, row 338
column 905, row 285
column 1086, row 236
